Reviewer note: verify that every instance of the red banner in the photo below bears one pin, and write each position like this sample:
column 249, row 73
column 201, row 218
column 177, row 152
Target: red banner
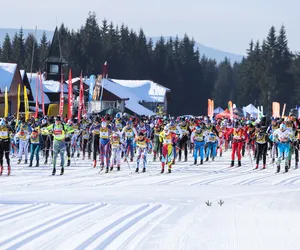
column 61, row 101
column 42, row 93
column 70, row 95
column 36, row 96
column 80, row 105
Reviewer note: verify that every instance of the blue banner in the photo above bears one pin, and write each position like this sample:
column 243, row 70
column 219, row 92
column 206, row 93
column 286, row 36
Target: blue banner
column 91, row 87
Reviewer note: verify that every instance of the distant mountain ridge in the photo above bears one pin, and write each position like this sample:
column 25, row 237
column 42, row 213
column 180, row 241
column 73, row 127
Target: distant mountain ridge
column 209, row 52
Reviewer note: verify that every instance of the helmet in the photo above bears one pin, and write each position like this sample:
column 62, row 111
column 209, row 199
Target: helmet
column 44, row 121
column 282, row 126
column 198, row 128
column 58, row 118
column 118, row 115
column 172, row 123
column 70, row 122
column 129, row 123
column 115, row 135
column 2, row 122
column 103, row 124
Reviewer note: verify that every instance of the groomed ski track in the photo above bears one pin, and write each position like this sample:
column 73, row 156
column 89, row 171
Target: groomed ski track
column 84, row 209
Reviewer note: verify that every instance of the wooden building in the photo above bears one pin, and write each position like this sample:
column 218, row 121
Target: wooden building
column 10, row 77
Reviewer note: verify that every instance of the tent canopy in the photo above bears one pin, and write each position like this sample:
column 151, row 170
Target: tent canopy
column 250, row 109
column 218, row 110
column 225, row 114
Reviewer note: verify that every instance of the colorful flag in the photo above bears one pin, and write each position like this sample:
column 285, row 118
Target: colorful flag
column 70, row 95
column 19, row 103
column 91, row 87
column 61, row 101
column 283, row 110
column 42, row 93
column 36, row 96
column 80, row 98
column 230, row 107
column 276, row 109
column 6, row 103
column 26, row 104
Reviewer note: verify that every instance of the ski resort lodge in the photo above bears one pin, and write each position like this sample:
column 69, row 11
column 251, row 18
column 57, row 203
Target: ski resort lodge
column 137, row 97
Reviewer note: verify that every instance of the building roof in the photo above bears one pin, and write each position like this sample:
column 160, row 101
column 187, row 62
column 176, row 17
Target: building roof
column 7, row 72
column 55, row 55
column 146, row 90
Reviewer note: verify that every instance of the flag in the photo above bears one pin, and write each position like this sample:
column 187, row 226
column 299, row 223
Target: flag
column 42, row 93
column 91, row 87
column 61, row 101
column 105, row 75
column 80, row 98
column 19, row 102
column 26, row 104
column 36, row 96
column 212, row 107
column 276, row 109
column 70, row 95
column 283, row 110
column 209, row 108
column 230, row 107
column 6, row 103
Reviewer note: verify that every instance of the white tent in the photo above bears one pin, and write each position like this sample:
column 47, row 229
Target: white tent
column 251, row 110
column 218, row 110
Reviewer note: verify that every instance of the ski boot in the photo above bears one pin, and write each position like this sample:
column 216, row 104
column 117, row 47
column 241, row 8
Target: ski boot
column 296, row 165
column 111, row 168
column 264, row 166
column 68, row 163
column 46, row 161
column 1, row 170
column 137, row 170
column 19, row 161
column 286, row 168
column 118, row 168
column 8, row 170
column 206, row 160
column 62, row 171
column 162, row 170
column 185, row 159
column 213, row 159
column 131, row 159
column 30, row 164
column 278, row 169
column 94, row 164
column 220, row 154
column 37, row 164
column 239, row 163
column 144, row 170
column 169, row 170
column 195, row 162
column 106, row 170
column 232, row 164
column 78, row 155
column 25, row 161
column 256, row 166
column 54, row 171
column 201, row 162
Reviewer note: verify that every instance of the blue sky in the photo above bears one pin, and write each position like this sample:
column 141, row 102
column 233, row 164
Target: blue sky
column 227, row 25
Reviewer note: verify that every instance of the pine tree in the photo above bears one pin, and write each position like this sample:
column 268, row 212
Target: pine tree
column 31, row 51
column 43, row 49
column 7, row 54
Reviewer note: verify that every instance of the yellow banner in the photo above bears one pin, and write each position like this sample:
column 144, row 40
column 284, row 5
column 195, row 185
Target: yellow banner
column 19, row 102
column 26, row 104
column 6, row 103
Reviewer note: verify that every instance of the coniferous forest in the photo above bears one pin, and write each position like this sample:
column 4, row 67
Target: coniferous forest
column 269, row 72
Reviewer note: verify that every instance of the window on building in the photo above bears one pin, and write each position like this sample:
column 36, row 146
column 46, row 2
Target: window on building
column 54, row 69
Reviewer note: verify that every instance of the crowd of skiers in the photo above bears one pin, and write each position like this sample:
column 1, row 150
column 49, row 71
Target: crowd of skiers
column 123, row 138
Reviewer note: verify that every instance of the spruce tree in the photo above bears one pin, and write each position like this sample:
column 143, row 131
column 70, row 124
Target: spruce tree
column 7, row 54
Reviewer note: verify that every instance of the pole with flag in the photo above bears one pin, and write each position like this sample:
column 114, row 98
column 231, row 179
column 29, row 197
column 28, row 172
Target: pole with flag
column 36, row 96
column 6, row 103
column 61, row 101
column 42, row 93
column 80, row 98
column 70, row 95
column 26, row 104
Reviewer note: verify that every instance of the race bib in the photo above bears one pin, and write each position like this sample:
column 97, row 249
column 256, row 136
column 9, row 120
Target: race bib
column 57, row 132
column 3, row 133
column 104, row 134
column 128, row 134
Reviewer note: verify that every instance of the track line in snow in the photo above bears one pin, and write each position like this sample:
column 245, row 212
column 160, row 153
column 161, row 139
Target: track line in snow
column 131, row 223
column 20, row 213
column 36, row 235
column 94, row 237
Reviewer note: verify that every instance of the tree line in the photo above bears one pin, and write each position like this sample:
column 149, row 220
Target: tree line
column 269, row 71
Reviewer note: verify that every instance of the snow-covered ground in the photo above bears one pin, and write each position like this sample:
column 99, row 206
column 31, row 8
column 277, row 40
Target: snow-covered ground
column 124, row 210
